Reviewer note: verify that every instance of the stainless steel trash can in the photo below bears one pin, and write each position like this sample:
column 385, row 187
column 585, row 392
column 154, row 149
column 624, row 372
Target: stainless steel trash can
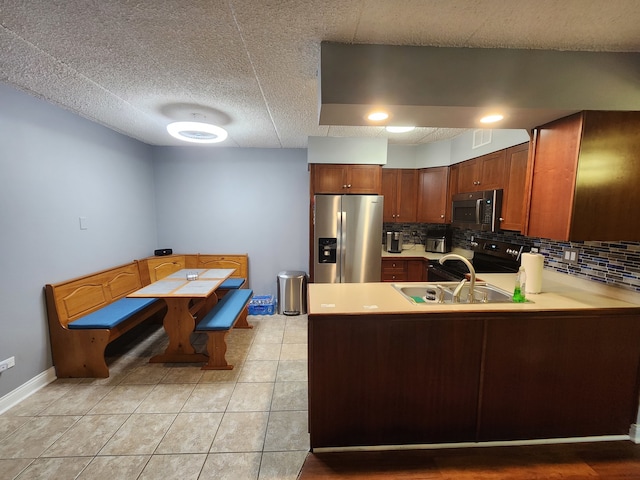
column 292, row 293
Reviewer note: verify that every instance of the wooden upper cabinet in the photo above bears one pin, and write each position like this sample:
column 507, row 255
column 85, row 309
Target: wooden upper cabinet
column 584, row 181
column 400, row 190
column 433, row 195
column 340, row 178
column 483, row 173
column 514, row 195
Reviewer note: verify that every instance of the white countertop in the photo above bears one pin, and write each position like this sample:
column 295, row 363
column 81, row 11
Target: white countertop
column 559, row 292
column 417, row 251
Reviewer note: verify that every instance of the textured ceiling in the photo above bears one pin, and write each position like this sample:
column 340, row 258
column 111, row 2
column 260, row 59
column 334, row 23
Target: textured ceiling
column 251, row 66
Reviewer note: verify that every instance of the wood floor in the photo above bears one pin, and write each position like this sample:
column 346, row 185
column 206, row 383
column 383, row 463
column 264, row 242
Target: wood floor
column 590, row 461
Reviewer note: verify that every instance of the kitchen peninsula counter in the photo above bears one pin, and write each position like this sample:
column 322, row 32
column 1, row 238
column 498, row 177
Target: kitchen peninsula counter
column 560, row 292
column 386, row 372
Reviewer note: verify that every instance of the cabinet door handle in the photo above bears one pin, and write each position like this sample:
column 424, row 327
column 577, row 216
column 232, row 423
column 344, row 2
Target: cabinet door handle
column 441, row 216
column 349, row 186
column 344, row 186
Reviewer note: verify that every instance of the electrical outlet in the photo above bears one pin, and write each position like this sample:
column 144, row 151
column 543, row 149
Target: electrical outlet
column 8, row 363
column 570, row 255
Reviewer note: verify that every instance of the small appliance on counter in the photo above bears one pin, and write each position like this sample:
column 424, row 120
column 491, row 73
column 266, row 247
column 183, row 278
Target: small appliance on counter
column 394, row 242
column 436, row 245
column 438, row 240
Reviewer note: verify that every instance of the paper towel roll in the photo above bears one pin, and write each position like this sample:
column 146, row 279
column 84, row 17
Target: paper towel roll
column 533, row 264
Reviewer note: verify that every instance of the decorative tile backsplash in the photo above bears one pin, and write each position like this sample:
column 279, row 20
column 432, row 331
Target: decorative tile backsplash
column 614, row 263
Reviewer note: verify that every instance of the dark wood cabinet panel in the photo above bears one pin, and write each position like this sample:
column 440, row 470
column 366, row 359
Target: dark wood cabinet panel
column 417, row 270
column 401, row 270
column 482, row 173
column 394, row 270
column 364, row 179
column 584, row 184
column 433, row 195
column 553, row 180
column 492, row 171
column 385, row 379
column 352, row 179
column 400, row 190
column 558, row 376
column 389, row 186
column 514, row 195
column 391, row 381
column 329, row 178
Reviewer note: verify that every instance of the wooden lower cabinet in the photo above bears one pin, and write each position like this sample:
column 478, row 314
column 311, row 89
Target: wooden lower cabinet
column 390, row 381
column 403, row 270
column 394, row 379
column 394, row 270
column 555, row 376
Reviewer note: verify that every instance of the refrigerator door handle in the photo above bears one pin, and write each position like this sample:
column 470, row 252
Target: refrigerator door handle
column 342, row 242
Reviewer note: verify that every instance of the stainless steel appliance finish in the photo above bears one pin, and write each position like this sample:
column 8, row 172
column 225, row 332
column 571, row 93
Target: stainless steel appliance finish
column 477, row 210
column 394, row 242
column 347, row 237
column 292, row 293
column 438, row 239
column 436, row 245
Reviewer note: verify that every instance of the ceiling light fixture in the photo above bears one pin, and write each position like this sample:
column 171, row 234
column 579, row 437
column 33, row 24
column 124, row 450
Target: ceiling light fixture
column 197, row 132
column 492, row 118
column 393, row 129
column 378, row 116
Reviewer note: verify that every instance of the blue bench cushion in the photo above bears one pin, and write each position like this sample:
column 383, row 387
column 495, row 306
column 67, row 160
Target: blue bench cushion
column 232, row 283
column 112, row 314
column 224, row 313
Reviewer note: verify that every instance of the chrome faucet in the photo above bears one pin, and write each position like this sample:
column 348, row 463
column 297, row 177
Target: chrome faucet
column 472, row 272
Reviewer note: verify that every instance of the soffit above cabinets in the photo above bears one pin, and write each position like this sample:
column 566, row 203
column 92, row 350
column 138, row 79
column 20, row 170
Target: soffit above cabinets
column 455, row 87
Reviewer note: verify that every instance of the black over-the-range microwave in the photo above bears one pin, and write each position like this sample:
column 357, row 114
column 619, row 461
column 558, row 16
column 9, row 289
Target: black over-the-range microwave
column 477, row 210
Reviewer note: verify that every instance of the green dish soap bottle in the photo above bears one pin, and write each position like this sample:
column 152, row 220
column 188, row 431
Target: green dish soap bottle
column 518, row 291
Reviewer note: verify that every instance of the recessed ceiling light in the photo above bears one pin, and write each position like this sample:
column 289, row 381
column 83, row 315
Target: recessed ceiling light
column 378, row 116
column 492, row 118
column 392, row 129
column 197, row 132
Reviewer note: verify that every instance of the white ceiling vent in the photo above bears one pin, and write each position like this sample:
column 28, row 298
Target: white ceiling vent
column 481, row 137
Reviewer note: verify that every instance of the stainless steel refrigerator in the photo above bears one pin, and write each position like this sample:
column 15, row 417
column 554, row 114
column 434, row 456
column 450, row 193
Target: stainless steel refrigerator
column 347, row 238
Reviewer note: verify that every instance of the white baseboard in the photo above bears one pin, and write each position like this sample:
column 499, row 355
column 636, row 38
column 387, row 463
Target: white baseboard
column 505, row 443
column 634, row 433
column 27, row 389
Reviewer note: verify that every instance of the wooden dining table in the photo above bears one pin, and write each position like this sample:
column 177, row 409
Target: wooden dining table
column 179, row 290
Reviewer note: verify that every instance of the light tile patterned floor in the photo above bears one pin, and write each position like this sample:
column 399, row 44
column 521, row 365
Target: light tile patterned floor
column 151, row 421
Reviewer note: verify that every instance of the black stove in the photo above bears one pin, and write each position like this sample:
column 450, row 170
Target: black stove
column 489, row 256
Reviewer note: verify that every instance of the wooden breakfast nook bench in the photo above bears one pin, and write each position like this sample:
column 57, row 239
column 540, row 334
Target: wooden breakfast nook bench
column 87, row 313
column 230, row 312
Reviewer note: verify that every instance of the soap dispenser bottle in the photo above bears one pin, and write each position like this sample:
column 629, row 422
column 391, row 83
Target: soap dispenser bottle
column 518, row 291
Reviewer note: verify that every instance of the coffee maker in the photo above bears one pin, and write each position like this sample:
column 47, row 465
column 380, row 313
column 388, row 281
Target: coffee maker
column 394, row 242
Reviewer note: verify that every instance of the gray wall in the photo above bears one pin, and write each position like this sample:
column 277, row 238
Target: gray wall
column 236, row 200
column 54, row 168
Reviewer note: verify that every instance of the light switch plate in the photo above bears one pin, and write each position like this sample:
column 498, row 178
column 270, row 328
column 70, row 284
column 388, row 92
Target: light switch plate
column 83, row 223
column 570, row 255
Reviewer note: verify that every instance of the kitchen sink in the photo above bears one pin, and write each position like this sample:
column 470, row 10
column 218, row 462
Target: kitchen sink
column 444, row 292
